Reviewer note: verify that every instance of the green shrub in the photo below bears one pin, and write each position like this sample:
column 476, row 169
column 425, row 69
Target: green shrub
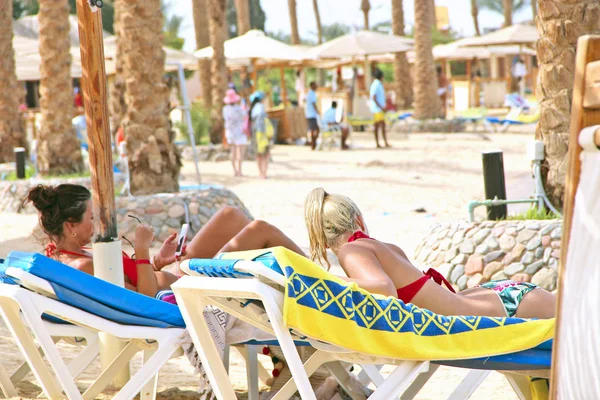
column 200, row 125
column 534, row 213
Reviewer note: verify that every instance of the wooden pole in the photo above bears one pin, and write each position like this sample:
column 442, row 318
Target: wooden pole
column 254, row 75
column 106, row 244
column 283, row 86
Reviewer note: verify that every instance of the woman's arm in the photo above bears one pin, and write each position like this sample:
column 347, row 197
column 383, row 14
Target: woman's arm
column 362, row 267
column 86, row 265
column 146, row 281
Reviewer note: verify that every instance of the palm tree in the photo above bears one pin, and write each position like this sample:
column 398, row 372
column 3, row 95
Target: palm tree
column 475, row 14
column 504, row 7
column 556, row 59
column 217, row 68
column 243, row 16
column 58, row 147
column 117, row 90
column 318, row 19
column 11, row 130
column 294, row 22
column 534, row 8
column 200, row 11
column 427, row 104
column 154, row 162
column 365, row 7
column 401, row 68
column 507, row 6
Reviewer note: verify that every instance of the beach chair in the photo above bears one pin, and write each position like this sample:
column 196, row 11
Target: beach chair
column 36, row 289
column 254, row 292
column 477, row 118
column 515, row 117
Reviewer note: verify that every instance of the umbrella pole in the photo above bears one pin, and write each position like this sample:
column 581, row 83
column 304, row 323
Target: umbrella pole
column 106, row 244
column 368, row 77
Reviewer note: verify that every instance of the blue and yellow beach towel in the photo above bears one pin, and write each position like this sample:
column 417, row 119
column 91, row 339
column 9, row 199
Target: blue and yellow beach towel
column 326, row 308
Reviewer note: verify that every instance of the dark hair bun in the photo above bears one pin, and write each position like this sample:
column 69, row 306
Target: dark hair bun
column 43, row 197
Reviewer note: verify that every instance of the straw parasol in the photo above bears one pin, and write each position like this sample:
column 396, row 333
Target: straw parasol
column 362, row 44
column 520, row 34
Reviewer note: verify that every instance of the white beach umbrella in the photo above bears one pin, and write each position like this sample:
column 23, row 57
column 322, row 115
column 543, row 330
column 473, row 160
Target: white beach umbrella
column 519, row 34
column 362, row 44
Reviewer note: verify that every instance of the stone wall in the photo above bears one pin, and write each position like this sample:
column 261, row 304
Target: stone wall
column 164, row 212
column 468, row 254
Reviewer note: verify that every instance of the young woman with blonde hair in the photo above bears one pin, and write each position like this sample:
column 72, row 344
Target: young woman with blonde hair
column 335, row 222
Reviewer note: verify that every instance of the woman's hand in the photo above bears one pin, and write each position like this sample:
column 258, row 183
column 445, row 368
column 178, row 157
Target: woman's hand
column 143, row 237
column 166, row 255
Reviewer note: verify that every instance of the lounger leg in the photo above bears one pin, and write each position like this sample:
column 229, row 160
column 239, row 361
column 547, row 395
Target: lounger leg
column 6, row 385
column 373, row 374
column 418, row 383
column 343, row 378
column 226, row 356
column 469, row 384
column 30, row 351
column 205, row 345
column 520, row 384
column 252, row 372
column 111, row 371
column 311, row 365
column 263, row 374
column 149, row 390
column 399, row 380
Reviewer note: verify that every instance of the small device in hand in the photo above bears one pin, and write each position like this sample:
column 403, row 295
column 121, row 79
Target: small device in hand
column 181, row 239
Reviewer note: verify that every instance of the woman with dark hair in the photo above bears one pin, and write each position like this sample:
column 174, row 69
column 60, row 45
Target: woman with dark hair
column 65, row 215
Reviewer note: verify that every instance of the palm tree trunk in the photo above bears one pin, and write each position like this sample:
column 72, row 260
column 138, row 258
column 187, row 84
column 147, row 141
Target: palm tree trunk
column 117, row 92
column 508, row 12
column 427, row 104
column 365, row 6
column 404, row 91
column 11, row 92
column 200, row 11
column 318, row 20
column 58, row 147
column 217, row 68
column 556, row 57
column 242, row 9
column 154, row 161
column 534, row 9
column 294, row 22
column 475, row 14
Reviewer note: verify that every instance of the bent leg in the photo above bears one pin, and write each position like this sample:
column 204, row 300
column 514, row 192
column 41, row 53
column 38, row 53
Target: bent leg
column 260, row 235
column 219, row 230
column 345, row 133
column 538, row 303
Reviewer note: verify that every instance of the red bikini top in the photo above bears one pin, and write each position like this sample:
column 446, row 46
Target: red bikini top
column 408, row 292
column 129, row 266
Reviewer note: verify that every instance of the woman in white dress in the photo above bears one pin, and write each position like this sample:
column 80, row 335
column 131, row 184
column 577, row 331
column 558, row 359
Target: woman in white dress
column 234, row 117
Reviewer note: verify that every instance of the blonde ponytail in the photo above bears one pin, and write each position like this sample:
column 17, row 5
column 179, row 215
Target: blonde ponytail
column 327, row 217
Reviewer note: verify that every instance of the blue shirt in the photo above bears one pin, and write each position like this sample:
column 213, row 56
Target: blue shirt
column 311, row 101
column 378, row 92
column 330, row 116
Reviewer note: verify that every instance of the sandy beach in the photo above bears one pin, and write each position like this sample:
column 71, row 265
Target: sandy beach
column 437, row 174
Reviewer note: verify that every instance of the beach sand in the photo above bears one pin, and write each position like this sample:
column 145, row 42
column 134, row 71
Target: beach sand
column 438, row 173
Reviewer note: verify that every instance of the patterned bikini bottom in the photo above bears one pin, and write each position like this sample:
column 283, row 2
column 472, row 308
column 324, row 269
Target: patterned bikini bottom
column 511, row 293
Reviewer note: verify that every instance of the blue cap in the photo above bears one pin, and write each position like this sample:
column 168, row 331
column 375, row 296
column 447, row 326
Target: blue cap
column 257, row 95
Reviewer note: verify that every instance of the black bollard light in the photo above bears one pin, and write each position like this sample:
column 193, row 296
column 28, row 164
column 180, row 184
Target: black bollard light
column 20, row 162
column 493, row 179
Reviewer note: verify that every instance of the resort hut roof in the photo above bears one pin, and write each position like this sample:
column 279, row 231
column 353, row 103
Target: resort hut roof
column 519, row 34
column 362, row 44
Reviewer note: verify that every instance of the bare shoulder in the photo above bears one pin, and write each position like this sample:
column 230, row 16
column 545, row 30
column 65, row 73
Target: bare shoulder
column 396, row 249
column 84, row 264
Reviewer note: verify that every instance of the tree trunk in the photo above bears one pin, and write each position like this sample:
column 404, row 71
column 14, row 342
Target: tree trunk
column 365, row 6
column 433, row 16
column 318, row 19
column 58, row 148
column 217, row 68
column 475, row 14
column 508, row 12
column 559, row 23
column 427, row 104
column 200, row 10
column 11, row 92
column 242, row 9
column 154, row 161
column 117, row 91
column 534, row 9
column 294, row 22
column 403, row 80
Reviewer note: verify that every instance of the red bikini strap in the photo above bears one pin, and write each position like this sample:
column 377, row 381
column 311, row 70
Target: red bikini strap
column 439, row 279
column 52, row 250
column 359, row 235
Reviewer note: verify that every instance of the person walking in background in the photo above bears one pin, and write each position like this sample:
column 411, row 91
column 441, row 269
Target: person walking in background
column 234, row 117
column 299, row 86
column 330, row 119
column 312, row 113
column 259, row 126
column 377, row 105
column 442, row 91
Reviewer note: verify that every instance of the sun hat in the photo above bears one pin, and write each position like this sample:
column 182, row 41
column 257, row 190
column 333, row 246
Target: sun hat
column 231, row 97
column 257, row 95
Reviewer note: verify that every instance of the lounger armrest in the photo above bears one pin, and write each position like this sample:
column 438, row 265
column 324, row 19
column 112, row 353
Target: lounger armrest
column 260, row 271
column 31, row 282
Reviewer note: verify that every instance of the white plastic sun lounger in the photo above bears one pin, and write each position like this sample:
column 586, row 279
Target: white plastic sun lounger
column 42, row 287
column 235, row 286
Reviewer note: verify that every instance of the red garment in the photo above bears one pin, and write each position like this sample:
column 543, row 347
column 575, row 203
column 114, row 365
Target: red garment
column 120, row 136
column 129, row 266
column 408, row 292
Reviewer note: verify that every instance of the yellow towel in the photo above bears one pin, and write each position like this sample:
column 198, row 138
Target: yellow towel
column 326, row 308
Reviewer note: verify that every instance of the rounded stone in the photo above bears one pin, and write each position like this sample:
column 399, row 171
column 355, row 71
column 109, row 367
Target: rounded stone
column 491, row 269
column 457, row 272
column 533, row 226
column 546, row 241
column 482, row 249
column 462, row 282
column 467, row 247
column 458, row 237
column 553, row 263
column 498, row 231
column 424, row 254
column 545, row 278
column 515, row 254
column 533, row 268
column 445, row 269
column 445, row 244
column 514, row 268
column 556, row 234
column 474, row 264
column 450, row 254
column 475, row 280
column 528, row 258
column 525, row 235
column 176, row 211
column 493, row 256
column 480, row 236
column 499, row 276
column 555, row 244
column 507, row 242
column 520, row 277
column 539, row 252
column 547, row 229
column 459, row 259
column 511, row 231
column 492, row 243
column 534, row 243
